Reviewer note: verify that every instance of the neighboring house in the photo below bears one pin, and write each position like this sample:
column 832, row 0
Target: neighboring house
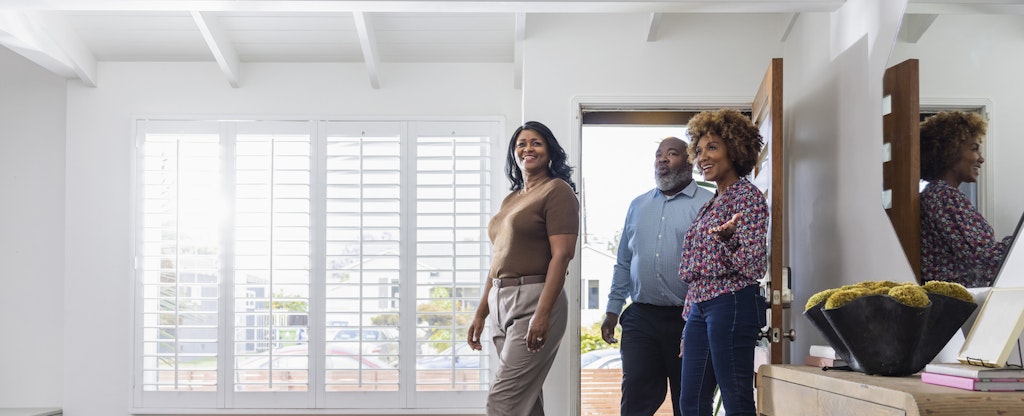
column 596, row 264
column 381, row 270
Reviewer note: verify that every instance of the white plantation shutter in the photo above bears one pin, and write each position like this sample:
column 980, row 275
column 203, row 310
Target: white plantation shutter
column 179, row 263
column 271, row 265
column 363, row 229
column 316, row 265
column 453, row 206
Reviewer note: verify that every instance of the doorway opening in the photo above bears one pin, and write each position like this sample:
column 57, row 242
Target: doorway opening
column 616, row 165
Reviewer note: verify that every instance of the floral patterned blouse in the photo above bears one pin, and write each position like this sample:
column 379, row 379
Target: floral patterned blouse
column 957, row 244
column 712, row 267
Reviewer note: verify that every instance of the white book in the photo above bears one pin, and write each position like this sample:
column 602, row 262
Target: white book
column 999, row 325
column 974, row 371
column 823, row 351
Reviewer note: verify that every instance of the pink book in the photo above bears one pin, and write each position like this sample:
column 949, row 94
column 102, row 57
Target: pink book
column 976, row 384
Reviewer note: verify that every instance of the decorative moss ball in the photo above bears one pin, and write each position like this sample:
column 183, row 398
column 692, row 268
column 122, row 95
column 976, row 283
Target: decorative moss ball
column 953, row 290
column 818, row 298
column 910, row 295
column 843, row 296
column 907, row 293
column 876, row 284
column 888, row 284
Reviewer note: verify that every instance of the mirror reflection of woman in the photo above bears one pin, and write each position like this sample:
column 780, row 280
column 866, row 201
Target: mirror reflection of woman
column 957, row 244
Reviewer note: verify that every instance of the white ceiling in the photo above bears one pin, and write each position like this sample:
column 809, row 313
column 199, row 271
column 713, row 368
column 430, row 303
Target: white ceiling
column 260, row 36
column 69, row 37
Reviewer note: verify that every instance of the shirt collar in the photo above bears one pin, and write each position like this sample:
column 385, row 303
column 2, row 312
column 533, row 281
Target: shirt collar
column 690, row 190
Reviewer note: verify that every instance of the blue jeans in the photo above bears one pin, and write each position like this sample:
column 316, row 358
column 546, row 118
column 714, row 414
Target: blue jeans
column 718, row 348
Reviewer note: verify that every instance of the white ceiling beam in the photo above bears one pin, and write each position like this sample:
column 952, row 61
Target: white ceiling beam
column 520, row 37
column 476, row 6
column 1011, row 7
column 368, row 42
column 914, row 26
column 653, row 24
column 48, row 41
column 790, row 23
column 220, row 46
column 527, row 6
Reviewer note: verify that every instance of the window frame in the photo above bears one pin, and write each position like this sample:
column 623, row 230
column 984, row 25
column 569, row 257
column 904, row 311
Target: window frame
column 315, row 400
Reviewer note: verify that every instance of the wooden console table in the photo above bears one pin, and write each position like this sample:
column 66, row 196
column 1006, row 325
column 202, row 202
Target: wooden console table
column 795, row 390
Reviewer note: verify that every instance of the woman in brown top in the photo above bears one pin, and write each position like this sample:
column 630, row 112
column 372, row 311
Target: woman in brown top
column 534, row 238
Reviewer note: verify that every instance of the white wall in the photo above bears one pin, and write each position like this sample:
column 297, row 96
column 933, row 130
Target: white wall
column 833, row 66
column 99, row 125
column 32, row 117
column 695, row 59
column 838, row 232
column 977, row 58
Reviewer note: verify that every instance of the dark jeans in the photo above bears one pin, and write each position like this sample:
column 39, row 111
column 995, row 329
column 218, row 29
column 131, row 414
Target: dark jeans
column 718, row 349
column 650, row 356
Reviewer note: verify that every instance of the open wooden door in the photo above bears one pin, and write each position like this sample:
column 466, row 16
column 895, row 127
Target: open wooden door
column 901, row 166
column 766, row 113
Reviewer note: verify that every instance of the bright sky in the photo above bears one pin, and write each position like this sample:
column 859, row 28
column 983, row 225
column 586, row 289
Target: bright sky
column 617, row 165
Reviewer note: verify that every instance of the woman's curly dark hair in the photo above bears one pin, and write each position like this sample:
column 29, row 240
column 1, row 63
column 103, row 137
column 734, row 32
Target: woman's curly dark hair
column 943, row 137
column 558, row 168
column 742, row 139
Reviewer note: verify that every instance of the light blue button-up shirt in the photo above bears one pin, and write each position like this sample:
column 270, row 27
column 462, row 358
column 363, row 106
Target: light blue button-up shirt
column 647, row 268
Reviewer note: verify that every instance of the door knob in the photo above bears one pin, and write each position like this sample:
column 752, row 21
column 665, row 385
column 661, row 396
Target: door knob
column 791, row 334
column 777, row 334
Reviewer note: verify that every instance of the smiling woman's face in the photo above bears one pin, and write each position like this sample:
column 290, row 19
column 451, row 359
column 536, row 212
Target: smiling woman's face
column 968, row 167
column 531, row 152
column 712, row 158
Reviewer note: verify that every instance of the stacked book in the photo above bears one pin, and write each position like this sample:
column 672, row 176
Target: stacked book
column 823, row 356
column 974, row 377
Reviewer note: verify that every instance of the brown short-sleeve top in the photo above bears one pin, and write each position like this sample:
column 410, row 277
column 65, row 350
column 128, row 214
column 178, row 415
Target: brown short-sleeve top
column 519, row 231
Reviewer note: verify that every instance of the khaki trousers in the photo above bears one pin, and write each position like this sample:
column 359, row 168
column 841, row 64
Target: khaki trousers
column 516, row 390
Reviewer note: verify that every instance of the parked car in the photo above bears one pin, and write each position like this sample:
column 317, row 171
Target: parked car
column 381, row 342
column 463, row 356
column 606, row 358
column 295, row 357
column 290, row 366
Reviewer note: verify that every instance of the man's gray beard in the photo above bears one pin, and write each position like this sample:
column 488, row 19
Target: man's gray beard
column 670, row 181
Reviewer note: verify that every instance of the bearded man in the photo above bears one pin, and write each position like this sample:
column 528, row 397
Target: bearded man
column 647, row 272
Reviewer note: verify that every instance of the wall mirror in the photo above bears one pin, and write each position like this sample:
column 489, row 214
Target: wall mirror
column 969, row 59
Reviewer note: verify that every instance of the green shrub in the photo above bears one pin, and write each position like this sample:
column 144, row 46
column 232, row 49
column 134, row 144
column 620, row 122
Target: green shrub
column 590, row 338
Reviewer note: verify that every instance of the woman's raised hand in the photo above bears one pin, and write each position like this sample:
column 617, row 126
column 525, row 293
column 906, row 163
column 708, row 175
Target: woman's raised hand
column 725, row 231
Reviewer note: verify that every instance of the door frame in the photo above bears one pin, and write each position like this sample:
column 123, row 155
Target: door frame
column 578, row 105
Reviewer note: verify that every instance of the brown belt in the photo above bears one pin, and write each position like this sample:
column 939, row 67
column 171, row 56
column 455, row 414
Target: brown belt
column 516, row 281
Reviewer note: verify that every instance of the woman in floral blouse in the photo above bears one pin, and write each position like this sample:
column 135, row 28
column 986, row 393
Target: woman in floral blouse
column 957, row 244
column 724, row 254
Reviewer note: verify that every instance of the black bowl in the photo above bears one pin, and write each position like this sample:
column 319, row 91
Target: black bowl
column 947, row 316
column 878, row 335
column 817, row 317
